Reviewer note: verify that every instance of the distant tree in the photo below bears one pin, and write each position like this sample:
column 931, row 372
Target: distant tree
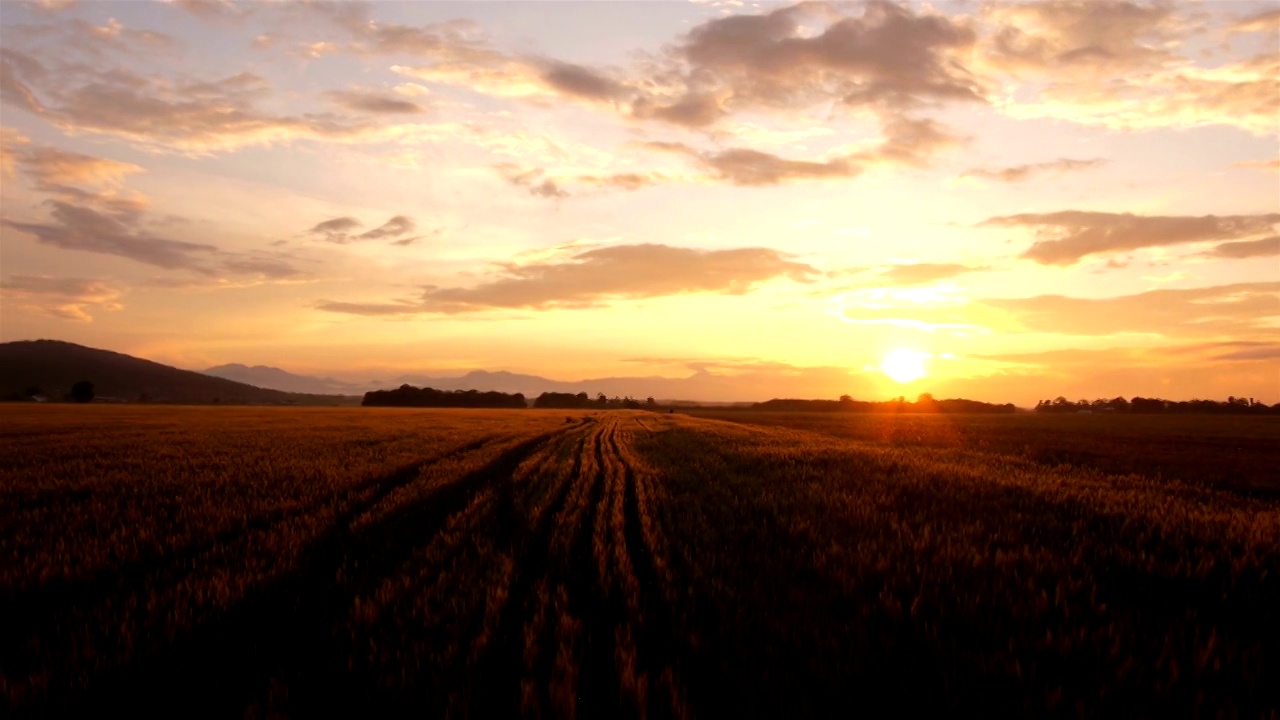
column 649, row 401
column 82, row 392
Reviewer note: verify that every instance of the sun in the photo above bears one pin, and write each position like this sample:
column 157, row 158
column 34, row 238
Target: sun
column 904, row 365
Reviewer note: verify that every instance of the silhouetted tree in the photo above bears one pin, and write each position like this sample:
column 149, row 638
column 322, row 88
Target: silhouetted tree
column 82, row 392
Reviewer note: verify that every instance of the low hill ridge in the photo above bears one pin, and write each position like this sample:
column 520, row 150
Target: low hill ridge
column 50, row 367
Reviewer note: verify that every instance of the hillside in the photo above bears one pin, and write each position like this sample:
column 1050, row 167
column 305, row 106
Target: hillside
column 53, row 366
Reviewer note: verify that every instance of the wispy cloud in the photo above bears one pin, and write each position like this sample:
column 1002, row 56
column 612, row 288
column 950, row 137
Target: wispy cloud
column 1019, row 173
column 342, row 230
column 67, row 298
column 1066, row 237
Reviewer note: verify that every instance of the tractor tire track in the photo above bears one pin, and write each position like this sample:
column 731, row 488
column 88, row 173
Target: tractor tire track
column 500, row 691
column 657, row 647
column 286, row 629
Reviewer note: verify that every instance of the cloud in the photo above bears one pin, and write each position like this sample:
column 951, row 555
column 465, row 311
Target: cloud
column 49, row 166
column 337, row 227
column 341, row 230
column 1018, row 173
column 1265, row 21
column 806, row 53
column 197, row 116
column 1232, row 310
column 1247, row 248
column 81, row 228
column 1260, row 352
column 395, row 227
column 534, row 180
column 65, row 298
column 599, row 275
column 1272, row 164
column 1068, row 38
column 888, row 62
column 367, row 101
column 1068, row 236
column 907, row 141
column 917, row 273
column 125, row 234
column 1123, row 65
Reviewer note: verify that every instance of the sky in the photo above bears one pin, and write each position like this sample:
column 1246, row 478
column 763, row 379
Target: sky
column 1006, row 201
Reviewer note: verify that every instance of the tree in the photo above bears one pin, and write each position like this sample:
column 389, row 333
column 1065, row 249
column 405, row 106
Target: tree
column 82, row 392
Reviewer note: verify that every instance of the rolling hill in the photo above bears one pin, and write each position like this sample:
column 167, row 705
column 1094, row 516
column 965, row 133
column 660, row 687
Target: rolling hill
column 51, row 367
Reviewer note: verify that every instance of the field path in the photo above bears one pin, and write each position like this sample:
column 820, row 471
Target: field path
column 283, row 633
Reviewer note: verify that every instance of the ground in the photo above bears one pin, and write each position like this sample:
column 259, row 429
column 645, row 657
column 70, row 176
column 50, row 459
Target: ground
column 301, row 562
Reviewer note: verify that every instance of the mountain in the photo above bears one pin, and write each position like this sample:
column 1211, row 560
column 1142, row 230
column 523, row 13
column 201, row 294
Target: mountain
column 53, row 366
column 274, row 378
column 701, row 387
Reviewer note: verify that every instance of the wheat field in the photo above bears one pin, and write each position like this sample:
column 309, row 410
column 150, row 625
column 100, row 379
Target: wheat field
column 558, row 564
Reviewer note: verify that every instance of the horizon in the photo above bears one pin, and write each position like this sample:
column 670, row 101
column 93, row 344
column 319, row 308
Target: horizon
column 880, row 200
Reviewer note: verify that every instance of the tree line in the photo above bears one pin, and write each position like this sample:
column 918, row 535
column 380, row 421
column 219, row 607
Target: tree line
column 1231, row 406
column 410, row 396
column 925, row 403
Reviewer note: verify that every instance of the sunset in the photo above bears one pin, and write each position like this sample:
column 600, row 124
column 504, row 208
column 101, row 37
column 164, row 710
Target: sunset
column 1064, row 199
column 639, row 359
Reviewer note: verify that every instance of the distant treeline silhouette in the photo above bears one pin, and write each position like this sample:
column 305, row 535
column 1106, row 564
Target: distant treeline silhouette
column 586, row 402
column 925, row 403
column 1232, row 406
column 410, row 396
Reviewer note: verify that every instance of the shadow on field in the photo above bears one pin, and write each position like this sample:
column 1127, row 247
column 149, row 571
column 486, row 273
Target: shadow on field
column 281, row 643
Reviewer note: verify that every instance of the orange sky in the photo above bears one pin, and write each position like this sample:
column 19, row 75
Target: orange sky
column 1023, row 200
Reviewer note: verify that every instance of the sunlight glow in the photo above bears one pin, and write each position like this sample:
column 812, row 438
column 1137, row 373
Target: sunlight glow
column 904, row 365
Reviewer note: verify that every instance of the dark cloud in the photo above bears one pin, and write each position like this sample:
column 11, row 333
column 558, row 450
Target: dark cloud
column 341, row 230
column 395, row 227
column 1068, row 236
column 887, row 56
column 81, row 228
column 339, row 226
column 374, row 102
column 1260, row 352
column 125, row 234
column 1018, row 173
column 582, row 82
column 694, row 109
column 599, row 275
column 1247, row 248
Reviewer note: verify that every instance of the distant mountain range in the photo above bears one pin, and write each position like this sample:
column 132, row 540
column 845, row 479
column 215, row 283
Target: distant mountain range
column 48, row 369
column 276, row 379
column 51, row 367
column 531, row 386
